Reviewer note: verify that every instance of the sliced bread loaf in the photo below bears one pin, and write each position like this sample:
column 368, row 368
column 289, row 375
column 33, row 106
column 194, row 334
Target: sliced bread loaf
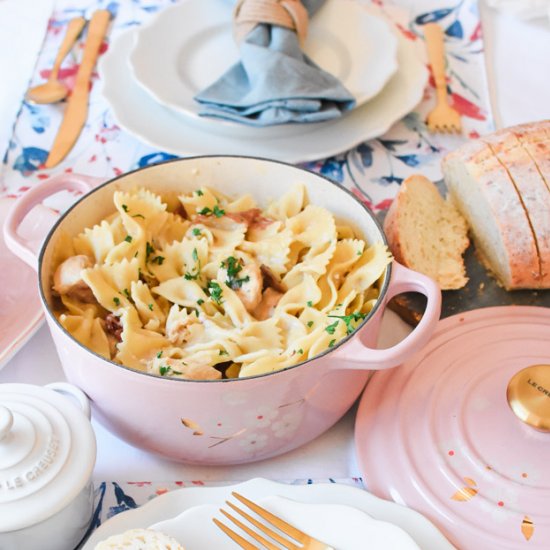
column 534, row 192
column 426, row 233
column 487, row 197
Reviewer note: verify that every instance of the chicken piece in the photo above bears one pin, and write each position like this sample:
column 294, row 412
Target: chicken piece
column 266, row 307
column 252, row 218
column 179, row 325
column 271, row 280
column 68, row 279
column 245, row 279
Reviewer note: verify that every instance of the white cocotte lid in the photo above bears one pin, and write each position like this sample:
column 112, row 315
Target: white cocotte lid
column 47, row 451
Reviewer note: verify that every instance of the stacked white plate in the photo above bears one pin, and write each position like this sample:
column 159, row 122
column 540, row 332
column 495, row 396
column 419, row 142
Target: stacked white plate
column 344, row 517
column 151, row 74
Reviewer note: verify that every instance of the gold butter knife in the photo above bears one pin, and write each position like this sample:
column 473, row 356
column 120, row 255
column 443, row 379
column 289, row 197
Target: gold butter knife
column 77, row 105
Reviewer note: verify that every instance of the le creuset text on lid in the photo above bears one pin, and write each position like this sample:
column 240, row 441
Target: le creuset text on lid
column 461, row 432
column 47, row 452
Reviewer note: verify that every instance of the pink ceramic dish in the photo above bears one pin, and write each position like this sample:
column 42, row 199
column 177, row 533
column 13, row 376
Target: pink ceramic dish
column 236, row 420
column 21, row 312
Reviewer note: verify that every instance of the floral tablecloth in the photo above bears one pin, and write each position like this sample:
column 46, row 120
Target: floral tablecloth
column 373, row 170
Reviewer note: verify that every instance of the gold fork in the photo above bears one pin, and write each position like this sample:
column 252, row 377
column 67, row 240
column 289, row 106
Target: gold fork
column 443, row 118
column 305, row 541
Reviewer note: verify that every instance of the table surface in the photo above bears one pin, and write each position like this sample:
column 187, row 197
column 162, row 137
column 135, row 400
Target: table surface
column 517, row 56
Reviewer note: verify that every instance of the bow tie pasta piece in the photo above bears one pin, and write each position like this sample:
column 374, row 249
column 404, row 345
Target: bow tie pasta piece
column 314, row 263
column 370, row 267
column 111, row 284
column 289, row 205
column 96, row 242
column 203, row 201
column 87, row 329
column 258, row 336
column 185, row 293
column 178, row 368
column 270, row 246
column 313, row 226
column 137, row 345
column 179, row 259
column 150, row 312
column 304, row 294
column 346, row 253
column 240, row 204
column 183, row 327
column 269, row 362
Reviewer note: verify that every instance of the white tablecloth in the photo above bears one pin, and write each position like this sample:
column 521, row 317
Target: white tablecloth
column 518, row 55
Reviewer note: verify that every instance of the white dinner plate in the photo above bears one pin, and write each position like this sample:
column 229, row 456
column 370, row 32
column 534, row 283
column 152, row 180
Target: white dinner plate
column 337, row 525
column 167, row 506
column 190, row 45
column 138, row 113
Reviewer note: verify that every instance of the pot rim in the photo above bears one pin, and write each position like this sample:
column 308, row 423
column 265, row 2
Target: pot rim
column 88, row 195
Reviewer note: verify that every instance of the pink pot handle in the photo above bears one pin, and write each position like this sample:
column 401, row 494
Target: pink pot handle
column 35, row 195
column 357, row 355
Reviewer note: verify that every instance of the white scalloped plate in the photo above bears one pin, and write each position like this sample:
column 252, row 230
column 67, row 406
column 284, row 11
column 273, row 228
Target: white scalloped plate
column 166, row 506
column 336, row 525
column 138, row 113
column 188, row 46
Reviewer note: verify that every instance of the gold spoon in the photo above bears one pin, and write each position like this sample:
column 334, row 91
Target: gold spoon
column 53, row 90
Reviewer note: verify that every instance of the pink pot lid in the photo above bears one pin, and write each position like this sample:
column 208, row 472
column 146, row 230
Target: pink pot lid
column 438, row 434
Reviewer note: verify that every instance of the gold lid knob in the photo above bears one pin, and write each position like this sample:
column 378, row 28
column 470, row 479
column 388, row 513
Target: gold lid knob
column 529, row 396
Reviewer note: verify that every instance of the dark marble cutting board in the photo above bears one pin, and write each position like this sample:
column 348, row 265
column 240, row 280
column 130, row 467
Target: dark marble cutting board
column 481, row 291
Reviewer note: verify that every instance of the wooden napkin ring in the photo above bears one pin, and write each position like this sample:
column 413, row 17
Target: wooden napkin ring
column 290, row 14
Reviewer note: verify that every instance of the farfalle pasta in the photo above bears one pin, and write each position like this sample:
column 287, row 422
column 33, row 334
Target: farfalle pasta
column 216, row 287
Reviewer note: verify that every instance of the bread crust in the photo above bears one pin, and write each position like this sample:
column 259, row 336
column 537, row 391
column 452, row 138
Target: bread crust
column 523, row 153
column 508, row 215
column 533, row 191
column 393, row 228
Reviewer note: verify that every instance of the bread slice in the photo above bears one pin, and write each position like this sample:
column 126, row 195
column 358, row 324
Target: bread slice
column 427, row 234
column 521, row 167
column 140, row 539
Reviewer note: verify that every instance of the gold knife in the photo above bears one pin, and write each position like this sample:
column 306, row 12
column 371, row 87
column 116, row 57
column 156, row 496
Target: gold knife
column 77, row 105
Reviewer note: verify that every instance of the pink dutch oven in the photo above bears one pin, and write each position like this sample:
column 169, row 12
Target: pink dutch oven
column 223, row 421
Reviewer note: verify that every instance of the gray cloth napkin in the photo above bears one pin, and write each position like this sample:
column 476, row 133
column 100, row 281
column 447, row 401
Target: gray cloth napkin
column 275, row 82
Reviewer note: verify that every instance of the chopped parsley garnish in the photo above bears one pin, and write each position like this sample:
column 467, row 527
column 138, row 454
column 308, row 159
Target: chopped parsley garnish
column 138, row 216
column 126, row 293
column 158, row 260
column 199, row 193
column 190, row 276
column 148, row 250
column 348, row 319
column 234, row 266
column 196, row 231
column 217, row 211
column 116, row 301
column 125, row 208
column 159, row 354
column 164, row 370
column 332, row 328
column 128, row 239
column 300, row 351
column 309, row 303
column 331, row 343
column 215, row 291
column 150, row 306
column 200, row 301
column 223, row 352
column 359, row 253
column 310, row 324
